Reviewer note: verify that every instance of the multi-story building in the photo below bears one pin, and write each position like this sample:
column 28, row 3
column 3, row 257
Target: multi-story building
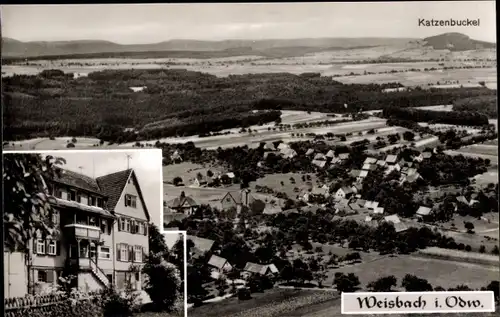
column 101, row 236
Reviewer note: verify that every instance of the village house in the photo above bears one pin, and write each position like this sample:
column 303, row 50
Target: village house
column 237, row 199
column 319, row 160
column 344, row 192
column 288, row 153
column 200, row 246
column 463, row 200
column 378, row 210
column 282, row 146
column 391, row 159
column 398, row 225
column 330, row 154
column 321, row 191
column 424, row 213
column 405, row 164
column 369, row 167
column 381, row 163
column 200, row 181
column 272, row 209
column 219, row 264
column 412, row 178
column 370, row 160
column 269, row 147
column 343, row 156
column 310, row 152
column 371, row 204
column 101, row 230
column 182, row 204
column 259, row 269
column 392, row 167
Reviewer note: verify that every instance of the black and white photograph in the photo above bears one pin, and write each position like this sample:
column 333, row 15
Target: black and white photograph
column 83, row 236
column 305, row 150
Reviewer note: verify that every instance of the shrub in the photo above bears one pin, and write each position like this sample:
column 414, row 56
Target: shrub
column 70, row 145
column 244, row 294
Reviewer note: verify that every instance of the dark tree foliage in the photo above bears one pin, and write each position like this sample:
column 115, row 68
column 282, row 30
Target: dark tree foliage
column 449, row 117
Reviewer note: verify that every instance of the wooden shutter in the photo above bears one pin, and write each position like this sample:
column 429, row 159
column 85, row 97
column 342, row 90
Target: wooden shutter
column 130, row 253
column 50, row 276
column 118, row 251
column 58, row 247
column 125, row 200
column 145, row 229
column 109, row 225
column 132, row 226
column 35, row 246
column 120, row 221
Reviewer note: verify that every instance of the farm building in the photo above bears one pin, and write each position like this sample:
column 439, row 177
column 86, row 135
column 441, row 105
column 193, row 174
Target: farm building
column 260, row 269
column 220, row 264
column 423, row 213
column 183, row 204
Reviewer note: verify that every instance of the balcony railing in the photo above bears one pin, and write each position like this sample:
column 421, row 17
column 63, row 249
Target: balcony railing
column 84, row 231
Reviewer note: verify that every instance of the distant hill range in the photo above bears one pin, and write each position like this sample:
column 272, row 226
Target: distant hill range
column 14, row 49
column 456, row 42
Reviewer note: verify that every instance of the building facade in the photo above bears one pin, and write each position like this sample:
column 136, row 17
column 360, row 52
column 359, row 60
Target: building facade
column 101, row 235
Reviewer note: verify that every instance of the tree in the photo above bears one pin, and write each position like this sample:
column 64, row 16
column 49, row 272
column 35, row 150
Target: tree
column 70, row 145
column 160, row 273
column 409, row 136
column 383, row 284
column 411, row 283
column 482, row 249
column 27, row 209
column 346, row 283
column 495, row 287
column 177, row 181
column 469, row 226
column 495, row 250
column 210, row 173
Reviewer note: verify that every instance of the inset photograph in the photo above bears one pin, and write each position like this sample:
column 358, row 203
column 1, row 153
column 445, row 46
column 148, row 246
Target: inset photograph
column 82, row 233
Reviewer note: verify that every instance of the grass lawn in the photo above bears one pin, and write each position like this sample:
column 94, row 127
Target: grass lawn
column 485, row 149
column 187, row 171
column 265, row 304
column 437, row 272
column 274, row 181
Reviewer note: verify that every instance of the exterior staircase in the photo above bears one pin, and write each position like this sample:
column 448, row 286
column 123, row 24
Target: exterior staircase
column 99, row 273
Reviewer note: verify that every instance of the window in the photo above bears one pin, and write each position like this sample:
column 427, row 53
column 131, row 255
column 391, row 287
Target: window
column 140, row 229
column 58, row 192
column 51, row 247
column 137, row 253
column 123, row 252
column 92, row 221
column 42, row 276
column 79, row 197
column 93, row 249
column 40, row 246
column 55, row 217
column 72, row 195
column 104, row 226
column 105, row 253
column 121, row 224
column 130, row 201
column 127, row 225
column 100, row 202
column 92, row 201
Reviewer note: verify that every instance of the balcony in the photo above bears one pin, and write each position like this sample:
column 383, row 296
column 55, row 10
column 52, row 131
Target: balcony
column 82, row 231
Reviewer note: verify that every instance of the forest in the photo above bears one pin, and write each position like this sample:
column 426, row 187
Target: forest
column 468, row 118
column 181, row 102
column 485, row 104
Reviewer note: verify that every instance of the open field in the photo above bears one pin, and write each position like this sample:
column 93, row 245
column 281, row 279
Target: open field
column 483, row 149
column 492, row 158
column 187, row 171
column 464, row 76
column 438, row 272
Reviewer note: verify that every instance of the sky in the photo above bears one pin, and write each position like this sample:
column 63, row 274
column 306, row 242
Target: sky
column 143, row 23
column 147, row 165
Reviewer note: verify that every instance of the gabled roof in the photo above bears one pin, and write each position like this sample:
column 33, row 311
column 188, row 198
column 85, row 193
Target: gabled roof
column 74, row 179
column 283, row 146
column 361, row 202
column 310, row 152
column 355, row 173
column 371, row 204
column 346, row 190
column 426, row 154
column 269, row 146
column 368, row 218
column 217, row 261
column 235, row 196
column 319, row 157
column 344, row 156
column 202, row 244
column 413, row 177
column 423, row 211
column 112, row 186
column 319, row 191
column 260, row 268
column 391, row 158
column 400, row 227
column 270, row 209
column 230, row 175
column 319, row 163
column 378, row 210
column 74, row 204
column 392, row 218
column 462, row 199
column 381, row 163
column 370, row 160
column 363, row 174
column 369, row 167
column 182, row 202
column 330, row 154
